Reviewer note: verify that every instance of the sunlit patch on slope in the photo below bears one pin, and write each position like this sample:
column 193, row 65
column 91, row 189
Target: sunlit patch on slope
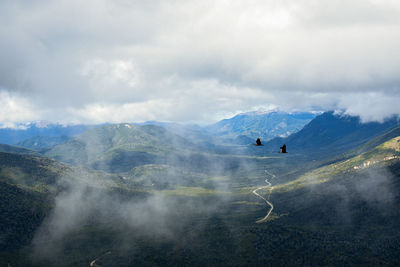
column 382, row 155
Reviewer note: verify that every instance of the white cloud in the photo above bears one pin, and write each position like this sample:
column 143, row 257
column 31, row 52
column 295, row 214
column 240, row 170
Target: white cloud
column 111, row 80
column 15, row 109
column 371, row 106
column 191, row 60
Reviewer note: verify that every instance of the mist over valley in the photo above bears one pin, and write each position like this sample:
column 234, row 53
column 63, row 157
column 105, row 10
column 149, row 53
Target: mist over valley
column 146, row 194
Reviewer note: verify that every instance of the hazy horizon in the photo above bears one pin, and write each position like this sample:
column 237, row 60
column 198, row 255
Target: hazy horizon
column 42, row 123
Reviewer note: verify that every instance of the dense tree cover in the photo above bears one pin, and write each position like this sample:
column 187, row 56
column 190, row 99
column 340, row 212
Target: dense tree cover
column 197, row 208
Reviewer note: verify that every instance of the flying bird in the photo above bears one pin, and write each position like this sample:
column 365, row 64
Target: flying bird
column 258, row 142
column 283, row 149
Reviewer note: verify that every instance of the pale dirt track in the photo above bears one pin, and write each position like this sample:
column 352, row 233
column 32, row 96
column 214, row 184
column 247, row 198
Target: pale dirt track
column 269, row 186
column 93, row 262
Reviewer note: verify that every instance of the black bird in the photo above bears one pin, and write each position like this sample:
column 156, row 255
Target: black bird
column 258, row 142
column 283, row 149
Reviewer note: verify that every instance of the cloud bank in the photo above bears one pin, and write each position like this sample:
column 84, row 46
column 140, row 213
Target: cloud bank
column 113, row 61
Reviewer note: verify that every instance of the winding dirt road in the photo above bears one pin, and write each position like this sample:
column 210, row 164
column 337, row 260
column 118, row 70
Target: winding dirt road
column 93, row 262
column 269, row 186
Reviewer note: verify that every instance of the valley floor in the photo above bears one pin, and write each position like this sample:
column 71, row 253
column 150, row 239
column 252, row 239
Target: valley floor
column 269, row 211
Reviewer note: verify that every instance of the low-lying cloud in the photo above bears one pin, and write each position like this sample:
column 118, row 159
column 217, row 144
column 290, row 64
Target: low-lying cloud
column 83, row 204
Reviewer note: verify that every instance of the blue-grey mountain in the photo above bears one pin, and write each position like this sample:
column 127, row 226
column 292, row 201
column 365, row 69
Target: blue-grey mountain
column 13, row 136
column 333, row 133
column 158, row 196
column 264, row 125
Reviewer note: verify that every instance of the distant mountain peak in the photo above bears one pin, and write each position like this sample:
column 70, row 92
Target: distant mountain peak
column 259, row 112
column 43, row 124
column 262, row 124
column 334, row 132
column 27, row 125
column 12, row 134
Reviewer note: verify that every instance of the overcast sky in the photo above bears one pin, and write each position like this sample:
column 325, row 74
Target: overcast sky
column 99, row 61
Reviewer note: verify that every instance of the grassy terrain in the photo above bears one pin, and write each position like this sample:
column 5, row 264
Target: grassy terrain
column 383, row 154
column 103, row 144
column 196, row 208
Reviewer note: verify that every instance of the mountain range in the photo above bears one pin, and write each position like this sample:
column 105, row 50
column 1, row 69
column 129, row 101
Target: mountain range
column 264, row 125
column 118, row 144
column 240, row 129
column 142, row 194
column 18, row 134
column 333, row 133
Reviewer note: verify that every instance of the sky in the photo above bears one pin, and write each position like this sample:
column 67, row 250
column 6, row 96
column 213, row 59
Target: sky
column 98, row 61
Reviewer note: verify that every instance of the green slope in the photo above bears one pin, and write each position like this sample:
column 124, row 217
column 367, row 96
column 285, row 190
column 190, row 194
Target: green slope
column 42, row 142
column 337, row 214
column 382, row 155
column 120, row 147
column 331, row 134
column 42, row 174
column 16, row 149
column 22, row 211
column 122, row 144
column 379, row 140
column 29, row 186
